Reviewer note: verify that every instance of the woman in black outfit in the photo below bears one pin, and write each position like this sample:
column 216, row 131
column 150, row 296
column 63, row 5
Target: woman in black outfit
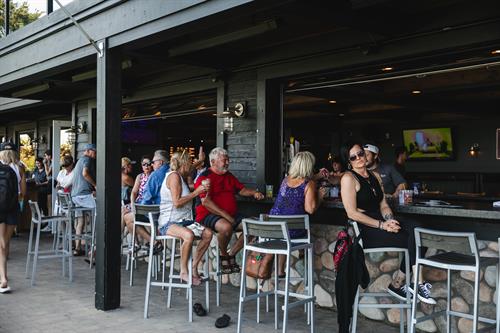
column 364, row 202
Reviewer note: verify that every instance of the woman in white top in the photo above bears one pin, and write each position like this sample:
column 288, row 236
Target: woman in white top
column 64, row 178
column 176, row 213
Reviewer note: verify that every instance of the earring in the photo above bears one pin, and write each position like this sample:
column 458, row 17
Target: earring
column 349, row 166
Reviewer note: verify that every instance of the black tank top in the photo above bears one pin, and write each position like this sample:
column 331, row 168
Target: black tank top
column 370, row 194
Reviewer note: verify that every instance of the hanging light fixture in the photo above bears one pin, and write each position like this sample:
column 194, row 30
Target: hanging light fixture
column 238, row 111
column 74, row 130
column 37, row 141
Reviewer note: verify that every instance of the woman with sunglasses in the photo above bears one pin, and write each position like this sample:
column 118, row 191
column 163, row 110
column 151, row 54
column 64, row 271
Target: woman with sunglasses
column 364, row 202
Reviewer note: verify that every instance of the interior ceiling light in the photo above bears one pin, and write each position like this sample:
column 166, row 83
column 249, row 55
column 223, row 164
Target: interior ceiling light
column 416, row 92
column 495, row 52
column 332, row 101
column 202, row 107
column 341, row 114
column 386, row 69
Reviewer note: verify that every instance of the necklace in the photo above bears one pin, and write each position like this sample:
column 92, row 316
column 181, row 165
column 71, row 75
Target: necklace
column 371, row 186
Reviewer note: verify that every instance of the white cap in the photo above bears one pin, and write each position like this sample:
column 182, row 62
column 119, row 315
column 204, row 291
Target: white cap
column 372, row 148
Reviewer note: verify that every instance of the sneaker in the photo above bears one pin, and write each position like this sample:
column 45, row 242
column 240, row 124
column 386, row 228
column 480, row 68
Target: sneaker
column 400, row 293
column 424, row 292
column 4, row 290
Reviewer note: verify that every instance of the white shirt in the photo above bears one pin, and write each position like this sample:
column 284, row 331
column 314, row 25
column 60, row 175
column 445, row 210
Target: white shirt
column 65, row 179
column 168, row 212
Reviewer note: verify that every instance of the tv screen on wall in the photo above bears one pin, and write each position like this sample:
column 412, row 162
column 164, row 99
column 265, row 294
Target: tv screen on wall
column 429, row 143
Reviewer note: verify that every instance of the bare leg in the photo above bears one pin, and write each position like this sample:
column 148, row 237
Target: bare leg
column 281, row 265
column 78, row 232
column 5, row 233
column 206, row 238
column 237, row 246
column 140, row 231
column 224, row 230
column 188, row 237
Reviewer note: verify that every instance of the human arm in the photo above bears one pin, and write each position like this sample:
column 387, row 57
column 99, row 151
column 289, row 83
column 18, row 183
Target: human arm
column 216, row 210
column 135, row 189
column 348, row 192
column 249, row 192
column 174, row 183
column 88, row 177
column 313, row 197
column 48, row 167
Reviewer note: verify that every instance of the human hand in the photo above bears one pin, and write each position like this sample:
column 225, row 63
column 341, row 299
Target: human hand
column 322, row 192
column 391, row 226
column 324, row 173
column 258, row 196
column 201, row 154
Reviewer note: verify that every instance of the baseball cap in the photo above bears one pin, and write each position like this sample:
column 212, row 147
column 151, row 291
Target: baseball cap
column 374, row 149
column 8, row 146
column 90, row 146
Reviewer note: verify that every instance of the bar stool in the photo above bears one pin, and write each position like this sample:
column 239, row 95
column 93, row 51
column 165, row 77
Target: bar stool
column 141, row 218
column 460, row 254
column 58, row 222
column 279, row 243
column 303, row 218
column 402, row 304
column 153, row 220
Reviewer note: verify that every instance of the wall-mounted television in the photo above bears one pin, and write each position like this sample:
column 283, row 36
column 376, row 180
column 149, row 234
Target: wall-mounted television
column 429, row 143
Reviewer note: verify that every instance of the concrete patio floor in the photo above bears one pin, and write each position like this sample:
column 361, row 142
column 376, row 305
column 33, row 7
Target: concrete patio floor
column 56, row 305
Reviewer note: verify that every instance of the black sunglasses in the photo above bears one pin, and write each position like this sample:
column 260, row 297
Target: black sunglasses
column 146, row 164
column 357, row 155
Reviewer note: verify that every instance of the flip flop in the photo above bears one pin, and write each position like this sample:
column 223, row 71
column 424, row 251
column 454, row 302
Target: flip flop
column 227, row 268
column 199, row 310
column 223, row 321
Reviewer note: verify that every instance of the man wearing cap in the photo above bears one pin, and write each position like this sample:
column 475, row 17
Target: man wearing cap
column 83, row 186
column 392, row 181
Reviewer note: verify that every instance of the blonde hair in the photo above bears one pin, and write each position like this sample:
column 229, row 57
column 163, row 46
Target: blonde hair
column 9, row 156
column 125, row 161
column 178, row 159
column 302, row 165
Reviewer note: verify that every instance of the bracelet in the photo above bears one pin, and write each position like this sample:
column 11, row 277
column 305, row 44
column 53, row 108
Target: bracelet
column 381, row 225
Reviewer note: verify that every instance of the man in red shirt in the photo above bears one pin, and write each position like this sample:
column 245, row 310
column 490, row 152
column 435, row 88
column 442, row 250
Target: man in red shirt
column 218, row 209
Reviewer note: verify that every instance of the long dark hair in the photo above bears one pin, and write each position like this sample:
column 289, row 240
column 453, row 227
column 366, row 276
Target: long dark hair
column 344, row 151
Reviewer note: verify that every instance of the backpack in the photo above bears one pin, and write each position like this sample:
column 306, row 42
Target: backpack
column 8, row 189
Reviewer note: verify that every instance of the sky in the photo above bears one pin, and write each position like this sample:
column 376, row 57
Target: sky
column 41, row 5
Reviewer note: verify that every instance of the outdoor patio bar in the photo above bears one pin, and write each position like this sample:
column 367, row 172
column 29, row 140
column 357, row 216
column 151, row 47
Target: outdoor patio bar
column 415, row 85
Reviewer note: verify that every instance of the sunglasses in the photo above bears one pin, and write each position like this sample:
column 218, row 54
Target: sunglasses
column 146, row 164
column 357, row 155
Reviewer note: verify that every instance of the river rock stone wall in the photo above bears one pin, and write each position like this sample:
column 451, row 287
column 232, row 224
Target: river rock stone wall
column 382, row 267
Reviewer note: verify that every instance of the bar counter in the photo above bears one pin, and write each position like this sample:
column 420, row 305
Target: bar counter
column 477, row 216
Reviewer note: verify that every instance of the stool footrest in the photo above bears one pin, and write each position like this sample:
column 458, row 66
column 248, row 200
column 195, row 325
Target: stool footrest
column 173, row 285
column 471, row 317
column 385, row 306
column 299, row 303
column 255, row 296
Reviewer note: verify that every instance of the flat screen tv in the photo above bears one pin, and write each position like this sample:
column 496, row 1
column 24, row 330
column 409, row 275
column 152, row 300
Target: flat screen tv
column 429, row 143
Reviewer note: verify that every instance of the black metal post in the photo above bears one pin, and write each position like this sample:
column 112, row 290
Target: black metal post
column 108, row 259
column 7, row 17
column 50, row 6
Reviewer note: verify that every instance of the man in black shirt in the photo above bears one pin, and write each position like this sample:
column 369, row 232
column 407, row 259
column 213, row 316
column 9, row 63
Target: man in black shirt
column 399, row 164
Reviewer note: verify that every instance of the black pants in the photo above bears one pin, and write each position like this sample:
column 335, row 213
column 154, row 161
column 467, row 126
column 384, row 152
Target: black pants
column 42, row 195
column 405, row 238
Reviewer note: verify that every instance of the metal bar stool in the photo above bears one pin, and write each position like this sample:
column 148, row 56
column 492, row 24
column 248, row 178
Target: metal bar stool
column 460, row 254
column 141, row 218
column 401, row 305
column 153, row 222
column 279, row 243
column 304, row 218
column 64, row 253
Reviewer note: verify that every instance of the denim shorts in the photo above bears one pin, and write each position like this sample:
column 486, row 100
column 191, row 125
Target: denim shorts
column 164, row 228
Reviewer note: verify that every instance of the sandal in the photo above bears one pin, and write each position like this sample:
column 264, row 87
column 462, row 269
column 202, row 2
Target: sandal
column 235, row 268
column 199, row 310
column 78, row 253
column 223, row 321
column 225, row 268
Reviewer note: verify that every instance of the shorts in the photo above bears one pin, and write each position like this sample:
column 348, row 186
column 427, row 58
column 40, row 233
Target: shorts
column 195, row 227
column 86, row 200
column 211, row 219
column 11, row 218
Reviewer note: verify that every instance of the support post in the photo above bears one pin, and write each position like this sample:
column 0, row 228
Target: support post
column 50, row 6
column 108, row 238
column 7, row 17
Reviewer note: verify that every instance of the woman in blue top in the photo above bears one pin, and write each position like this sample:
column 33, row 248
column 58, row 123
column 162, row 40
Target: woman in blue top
column 298, row 194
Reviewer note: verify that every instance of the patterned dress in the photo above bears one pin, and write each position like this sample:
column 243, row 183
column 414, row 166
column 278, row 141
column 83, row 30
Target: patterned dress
column 290, row 201
column 142, row 186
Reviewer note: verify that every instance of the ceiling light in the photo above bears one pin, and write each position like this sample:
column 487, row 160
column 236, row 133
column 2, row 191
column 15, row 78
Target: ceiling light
column 386, row 69
column 341, row 114
column 332, row 101
column 416, row 92
column 495, row 52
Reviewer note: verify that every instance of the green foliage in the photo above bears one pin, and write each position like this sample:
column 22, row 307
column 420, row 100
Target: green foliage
column 19, row 15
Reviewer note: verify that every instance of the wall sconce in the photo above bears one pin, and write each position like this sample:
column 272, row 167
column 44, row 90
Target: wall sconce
column 237, row 111
column 37, row 141
column 474, row 150
column 81, row 128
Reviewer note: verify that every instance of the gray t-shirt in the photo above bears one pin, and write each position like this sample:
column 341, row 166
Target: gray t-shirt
column 391, row 178
column 80, row 185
